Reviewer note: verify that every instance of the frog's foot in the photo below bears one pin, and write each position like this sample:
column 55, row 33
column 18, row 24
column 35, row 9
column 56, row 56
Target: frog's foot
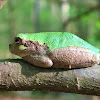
column 70, row 66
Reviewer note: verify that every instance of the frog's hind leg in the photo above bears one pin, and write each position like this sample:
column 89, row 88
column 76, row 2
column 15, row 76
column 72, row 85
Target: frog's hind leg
column 73, row 57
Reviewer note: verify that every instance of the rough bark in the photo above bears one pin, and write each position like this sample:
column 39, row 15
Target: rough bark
column 19, row 75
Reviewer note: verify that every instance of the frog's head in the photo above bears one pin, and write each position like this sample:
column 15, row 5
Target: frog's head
column 23, row 47
column 20, row 47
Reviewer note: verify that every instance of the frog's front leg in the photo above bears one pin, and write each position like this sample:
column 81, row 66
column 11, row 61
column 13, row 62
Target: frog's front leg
column 73, row 57
column 39, row 60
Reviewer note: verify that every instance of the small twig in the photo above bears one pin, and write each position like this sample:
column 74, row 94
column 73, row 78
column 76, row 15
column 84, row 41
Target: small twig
column 2, row 2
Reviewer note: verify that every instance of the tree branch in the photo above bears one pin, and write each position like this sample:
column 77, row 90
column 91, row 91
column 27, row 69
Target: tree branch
column 19, row 75
column 76, row 18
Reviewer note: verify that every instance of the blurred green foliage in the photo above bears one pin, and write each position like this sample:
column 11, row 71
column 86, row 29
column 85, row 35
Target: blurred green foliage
column 30, row 16
column 35, row 16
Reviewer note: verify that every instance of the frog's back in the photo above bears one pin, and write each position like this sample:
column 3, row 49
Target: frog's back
column 57, row 40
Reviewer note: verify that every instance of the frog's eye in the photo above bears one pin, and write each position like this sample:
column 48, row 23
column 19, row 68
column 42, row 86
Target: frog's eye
column 18, row 40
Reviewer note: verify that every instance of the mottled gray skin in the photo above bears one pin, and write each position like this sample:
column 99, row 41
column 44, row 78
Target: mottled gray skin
column 42, row 56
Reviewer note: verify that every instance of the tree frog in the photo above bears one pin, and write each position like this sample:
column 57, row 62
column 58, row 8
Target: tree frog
column 55, row 49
